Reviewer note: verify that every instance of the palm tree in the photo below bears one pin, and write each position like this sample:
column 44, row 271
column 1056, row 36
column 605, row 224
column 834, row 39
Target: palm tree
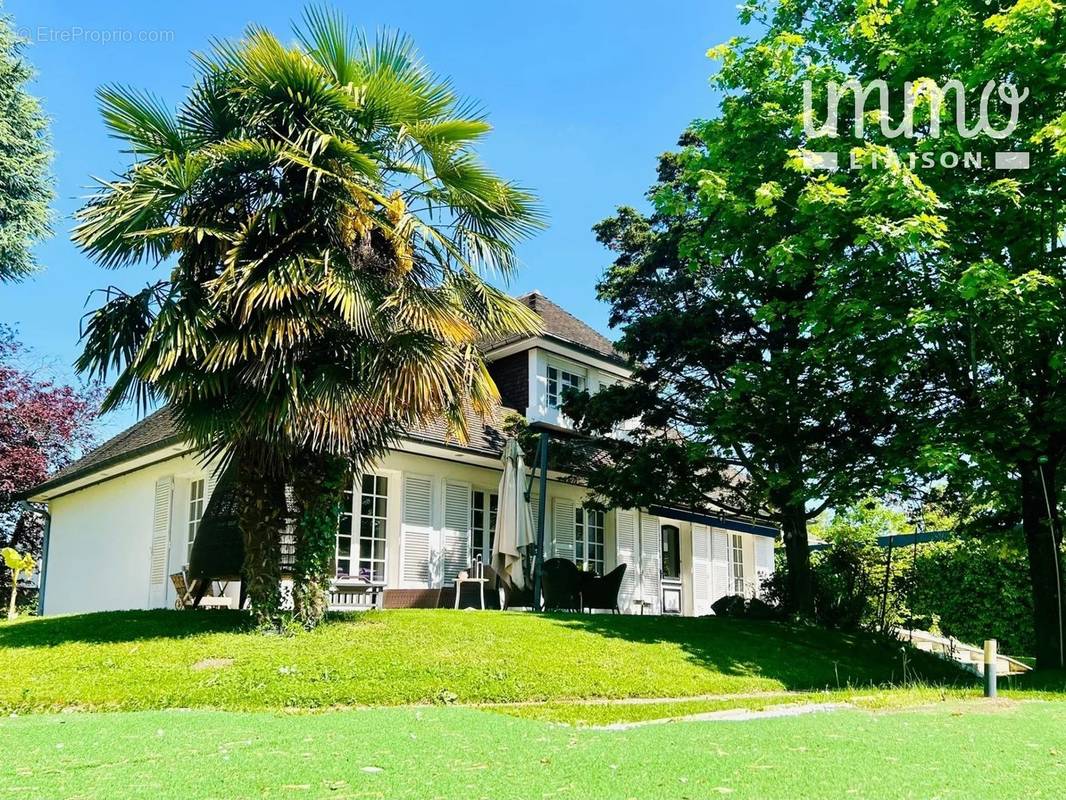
column 328, row 230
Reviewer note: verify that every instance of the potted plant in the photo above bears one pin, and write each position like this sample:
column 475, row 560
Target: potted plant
column 18, row 564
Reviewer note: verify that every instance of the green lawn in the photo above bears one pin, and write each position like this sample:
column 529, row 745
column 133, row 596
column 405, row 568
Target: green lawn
column 168, row 659
column 552, row 681
column 1001, row 751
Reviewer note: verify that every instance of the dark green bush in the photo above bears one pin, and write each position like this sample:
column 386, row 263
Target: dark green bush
column 967, row 587
column 732, row 605
column 975, row 589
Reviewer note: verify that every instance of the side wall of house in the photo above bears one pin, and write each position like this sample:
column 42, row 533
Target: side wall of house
column 104, row 538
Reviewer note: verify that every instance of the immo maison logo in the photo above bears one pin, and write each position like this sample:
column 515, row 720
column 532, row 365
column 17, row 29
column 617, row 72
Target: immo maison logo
column 915, row 93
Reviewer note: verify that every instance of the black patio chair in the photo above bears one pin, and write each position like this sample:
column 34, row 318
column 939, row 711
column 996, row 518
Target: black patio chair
column 603, row 592
column 560, row 584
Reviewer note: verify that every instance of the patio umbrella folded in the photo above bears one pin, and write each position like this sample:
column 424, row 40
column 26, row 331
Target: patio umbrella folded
column 514, row 520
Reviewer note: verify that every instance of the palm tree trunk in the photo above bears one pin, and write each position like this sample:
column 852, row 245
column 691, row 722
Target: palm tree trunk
column 318, row 486
column 261, row 518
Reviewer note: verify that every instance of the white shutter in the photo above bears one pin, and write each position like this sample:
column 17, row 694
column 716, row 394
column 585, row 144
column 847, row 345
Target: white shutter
column 157, row 575
column 764, row 561
column 214, row 472
column 701, row 570
column 720, row 584
column 650, row 570
column 562, row 528
column 417, row 566
column 625, row 542
column 456, row 533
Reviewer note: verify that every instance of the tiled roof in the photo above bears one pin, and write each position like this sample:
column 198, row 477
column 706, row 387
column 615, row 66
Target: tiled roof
column 562, row 325
column 154, row 432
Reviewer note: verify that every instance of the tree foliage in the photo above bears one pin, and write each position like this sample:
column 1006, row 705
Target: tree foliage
column 989, row 304
column 761, row 302
column 935, row 289
column 25, row 158
column 43, row 426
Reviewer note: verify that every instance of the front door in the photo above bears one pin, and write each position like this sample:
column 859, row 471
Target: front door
column 671, row 536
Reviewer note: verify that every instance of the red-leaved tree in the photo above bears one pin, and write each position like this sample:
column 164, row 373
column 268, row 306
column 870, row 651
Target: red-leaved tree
column 43, row 426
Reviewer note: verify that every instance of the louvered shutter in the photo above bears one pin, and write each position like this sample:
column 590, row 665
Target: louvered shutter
column 214, row 472
column 650, row 559
column 625, row 543
column 417, row 562
column 764, row 561
column 562, row 528
column 720, row 584
column 701, row 570
column 157, row 575
column 456, row 534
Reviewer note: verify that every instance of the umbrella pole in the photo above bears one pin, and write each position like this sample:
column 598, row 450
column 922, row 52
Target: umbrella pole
column 538, row 556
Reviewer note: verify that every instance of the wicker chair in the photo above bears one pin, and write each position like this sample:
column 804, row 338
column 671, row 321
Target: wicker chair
column 561, row 584
column 597, row 592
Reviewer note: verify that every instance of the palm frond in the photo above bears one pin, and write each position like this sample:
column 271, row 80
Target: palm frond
column 142, row 120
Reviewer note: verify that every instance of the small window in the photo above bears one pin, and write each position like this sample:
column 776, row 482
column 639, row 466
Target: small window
column 559, row 380
column 589, row 539
column 196, row 513
column 361, row 552
column 483, row 509
column 671, row 552
column 736, row 562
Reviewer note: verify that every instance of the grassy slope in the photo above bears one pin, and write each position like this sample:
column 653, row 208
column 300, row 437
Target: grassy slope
column 146, row 660
column 948, row 753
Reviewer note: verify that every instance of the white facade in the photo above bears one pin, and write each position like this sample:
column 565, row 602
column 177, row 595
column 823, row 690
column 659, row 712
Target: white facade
column 118, row 533
column 110, row 540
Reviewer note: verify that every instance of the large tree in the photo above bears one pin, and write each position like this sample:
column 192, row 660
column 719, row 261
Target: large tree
column 327, row 226
column 989, row 305
column 760, row 300
column 25, row 156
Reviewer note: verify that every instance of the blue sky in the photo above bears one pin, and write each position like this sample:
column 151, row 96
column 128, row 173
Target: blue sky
column 582, row 95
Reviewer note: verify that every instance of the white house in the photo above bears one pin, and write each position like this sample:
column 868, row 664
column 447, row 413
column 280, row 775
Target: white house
column 124, row 516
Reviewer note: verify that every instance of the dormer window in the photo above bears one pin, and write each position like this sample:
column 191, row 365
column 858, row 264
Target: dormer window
column 559, row 380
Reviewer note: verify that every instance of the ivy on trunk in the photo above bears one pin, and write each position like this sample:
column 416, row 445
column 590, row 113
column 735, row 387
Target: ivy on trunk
column 262, row 511
column 318, row 486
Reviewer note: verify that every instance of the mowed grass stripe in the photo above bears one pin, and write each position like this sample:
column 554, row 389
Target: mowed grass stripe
column 1003, row 751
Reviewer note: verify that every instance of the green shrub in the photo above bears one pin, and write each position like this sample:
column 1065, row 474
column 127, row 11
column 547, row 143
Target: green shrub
column 972, row 588
column 975, row 589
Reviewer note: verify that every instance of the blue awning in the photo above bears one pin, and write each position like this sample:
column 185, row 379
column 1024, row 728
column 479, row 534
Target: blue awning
column 727, row 523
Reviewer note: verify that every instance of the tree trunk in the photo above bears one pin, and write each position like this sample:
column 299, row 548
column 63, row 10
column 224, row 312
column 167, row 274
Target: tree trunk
column 799, row 592
column 261, row 500
column 1043, row 539
column 318, row 486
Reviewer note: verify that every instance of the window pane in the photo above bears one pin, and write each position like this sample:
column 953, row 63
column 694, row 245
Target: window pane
column 371, row 528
